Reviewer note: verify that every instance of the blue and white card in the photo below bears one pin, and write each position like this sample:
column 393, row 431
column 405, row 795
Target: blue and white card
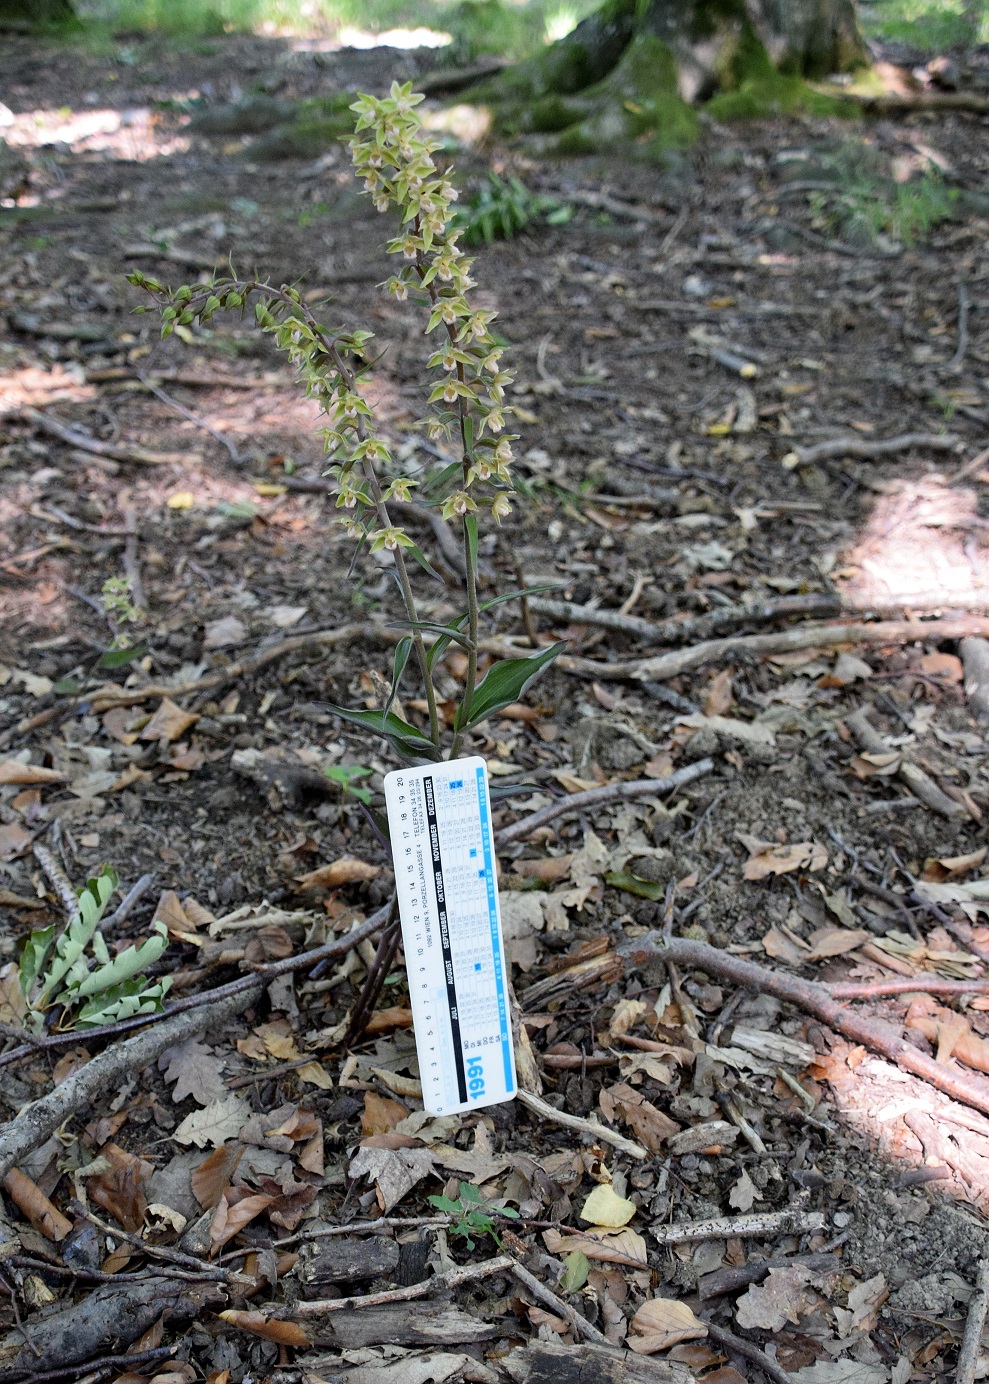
column 439, row 818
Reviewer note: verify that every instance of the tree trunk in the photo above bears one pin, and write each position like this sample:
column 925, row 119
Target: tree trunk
column 631, row 75
column 26, row 15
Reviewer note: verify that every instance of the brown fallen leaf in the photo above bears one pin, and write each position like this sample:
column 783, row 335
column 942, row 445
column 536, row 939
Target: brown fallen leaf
column 169, row 722
column 951, row 1032
column 784, row 1297
column 14, row 841
column 387, row 1020
column 282, row 1333
column 548, row 868
column 230, row 1216
column 664, row 1322
column 345, row 871
column 939, row 869
column 29, row 1198
column 12, row 772
column 783, row 948
column 381, row 1115
column 834, row 941
column 119, row 1189
column 769, row 858
column 212, row 1177
column 625, row 1247
column 718, row 695
column 647, row 1122
column 946, row 667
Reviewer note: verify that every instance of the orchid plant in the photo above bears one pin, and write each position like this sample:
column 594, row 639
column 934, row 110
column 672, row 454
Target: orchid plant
column 467, row 409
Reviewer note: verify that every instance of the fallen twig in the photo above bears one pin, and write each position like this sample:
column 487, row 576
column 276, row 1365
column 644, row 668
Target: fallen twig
column 956, row 361
column 163, row 1252
column 661, row 667
column 592, row 1127
column 111, row 450
column 762, row 1224
column 106, row 1364
column 132, row 567
column 188, row 258
column 440, row 1282
column 971, row 1346
column 58, row 879
column 579, row 1325
column 878, row 1036
column 749, row 1351
column 862, row 449
column 920, row 784
column 36, row 1122
column 927, row 985
column 595, row 797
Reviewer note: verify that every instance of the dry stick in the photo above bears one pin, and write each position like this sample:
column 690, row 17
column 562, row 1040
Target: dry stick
column 360, row 1228
column 44, row 423
column 59, row 880
column 955, row 363
column 129, row 902
column 36, row 1122
column 132, row 568
column 441, row 1282
column 813, row 999
column 261, row 975
column 106, row 1364
column 927, row 985
column 579, row 1325
column 596, row 797
column 762, row 1224
column 591, row 1127
column 971, row 1345
column 662, row 667
column 921, row 785
column 861, row 449
column 163, row 1252
column 749, row 1351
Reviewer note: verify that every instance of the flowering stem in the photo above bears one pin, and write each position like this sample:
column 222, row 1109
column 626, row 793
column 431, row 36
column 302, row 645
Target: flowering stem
column 403, row 572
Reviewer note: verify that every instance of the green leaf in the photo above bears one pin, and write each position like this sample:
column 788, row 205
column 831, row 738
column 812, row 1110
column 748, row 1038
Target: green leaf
column 439, row 482
column 517, row 595
column 511, row 1213
column 119, row 658
column 470, row 528
column 448, row 632
column 468, row 1192
column 402, row 650
column 631, row 884
column 66, row 686
column 423, row 561
column 452, row 1208
column 505, row 682
column 406, row 739
column 124, row 1001
column 125, row 965
column 33, row 957
column 576, row 1267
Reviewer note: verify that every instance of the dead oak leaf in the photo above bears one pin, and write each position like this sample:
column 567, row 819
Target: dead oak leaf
column 381, row 1115
column 394, row 1172
column 215, row 1124
column 769, row 858
column 212, row 1177
column 783, row 1298
column 196, row 1071
column 664, row 1322
column 169, row 722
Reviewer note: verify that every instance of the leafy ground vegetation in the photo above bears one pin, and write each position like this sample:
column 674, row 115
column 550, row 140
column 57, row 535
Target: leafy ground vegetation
column 712, row 1175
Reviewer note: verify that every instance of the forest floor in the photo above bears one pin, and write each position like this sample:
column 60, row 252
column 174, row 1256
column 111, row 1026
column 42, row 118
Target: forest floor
column 657, row 481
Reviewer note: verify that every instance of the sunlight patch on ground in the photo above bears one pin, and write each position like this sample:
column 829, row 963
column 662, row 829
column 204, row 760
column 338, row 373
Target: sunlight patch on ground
column 134, row 134
column 467, row 124
column 924, row 545
column 31, row 386
column 349, row 37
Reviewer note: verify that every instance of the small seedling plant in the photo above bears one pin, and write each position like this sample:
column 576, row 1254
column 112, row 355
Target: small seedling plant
column 76, row 974
column 466, row 411
column 472, row 1214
